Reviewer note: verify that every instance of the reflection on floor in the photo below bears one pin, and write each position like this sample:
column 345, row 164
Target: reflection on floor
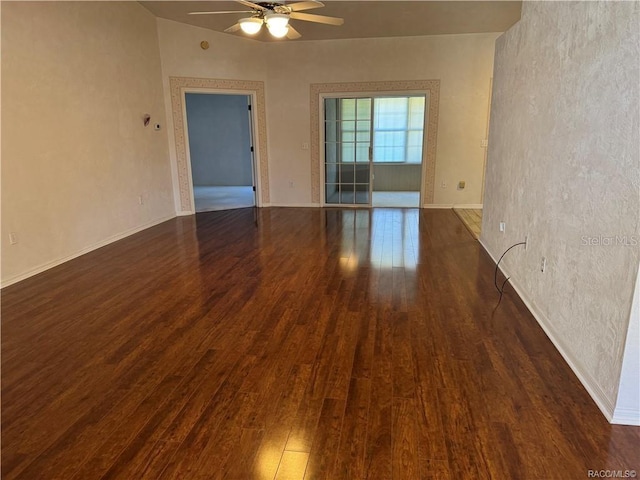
column 472, row 219
column 379, row 199
column 208, row 199
column 396, row 199
column 348, row 198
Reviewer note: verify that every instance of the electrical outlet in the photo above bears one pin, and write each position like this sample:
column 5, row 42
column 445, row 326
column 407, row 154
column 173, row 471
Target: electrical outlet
column 503, row 226
column 543, row 264
column 526, row 241
column 13, row 238
column 443, row 184
column 305, row 146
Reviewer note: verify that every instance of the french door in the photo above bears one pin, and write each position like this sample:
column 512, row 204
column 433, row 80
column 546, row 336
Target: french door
column 347, row 150
column 359, row 132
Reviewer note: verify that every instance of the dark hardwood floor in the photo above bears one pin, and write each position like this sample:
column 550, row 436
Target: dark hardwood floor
column 290, row 344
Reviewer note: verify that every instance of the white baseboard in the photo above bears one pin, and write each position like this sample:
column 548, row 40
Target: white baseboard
column 593, row 388
column 295, row 205
column 471, row 206
column 114, row 238
column 185, row 213
column 438, row 205
column 623, row 416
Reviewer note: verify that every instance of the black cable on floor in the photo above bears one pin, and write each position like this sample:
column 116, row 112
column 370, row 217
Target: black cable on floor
column 495, row 274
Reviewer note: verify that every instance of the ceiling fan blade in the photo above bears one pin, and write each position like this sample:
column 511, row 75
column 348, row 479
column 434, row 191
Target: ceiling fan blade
column 233, row 28
column 292, row 33
column 299, row 6
column 307, row 17
column 249, row 4
column 218, row 13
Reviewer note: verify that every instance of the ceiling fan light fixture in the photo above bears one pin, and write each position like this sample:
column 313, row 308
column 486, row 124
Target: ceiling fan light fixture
column 278, row 31
column 276, row 20
column 251, row 25
column 278, row 24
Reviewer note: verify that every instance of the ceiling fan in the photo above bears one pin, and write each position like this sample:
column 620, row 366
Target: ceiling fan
column 276, row 16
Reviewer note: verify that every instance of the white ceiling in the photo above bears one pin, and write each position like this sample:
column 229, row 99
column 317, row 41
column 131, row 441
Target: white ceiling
column 362, row 19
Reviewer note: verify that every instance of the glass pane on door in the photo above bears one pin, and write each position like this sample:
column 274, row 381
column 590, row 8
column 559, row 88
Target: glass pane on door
column 347, row 150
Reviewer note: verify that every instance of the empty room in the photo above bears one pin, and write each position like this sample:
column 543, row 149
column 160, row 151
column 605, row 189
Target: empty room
column 320, row 240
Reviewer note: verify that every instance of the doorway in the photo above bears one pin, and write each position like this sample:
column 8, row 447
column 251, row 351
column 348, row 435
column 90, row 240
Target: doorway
column 374, row 150
column 220, row 148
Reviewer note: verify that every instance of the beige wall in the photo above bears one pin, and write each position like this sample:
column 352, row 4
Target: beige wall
column 463, row 64
column 564, row 168
column 77, row 79
column 228, row 57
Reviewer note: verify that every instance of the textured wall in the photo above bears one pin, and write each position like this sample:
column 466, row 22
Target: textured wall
column 219, row 139
column 77, row 78
column 563, row 165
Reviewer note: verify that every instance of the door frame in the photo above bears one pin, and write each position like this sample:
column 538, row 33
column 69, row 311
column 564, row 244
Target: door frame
column 179, row 86
column 429, row 88
column 324, row 96
column 249, row 112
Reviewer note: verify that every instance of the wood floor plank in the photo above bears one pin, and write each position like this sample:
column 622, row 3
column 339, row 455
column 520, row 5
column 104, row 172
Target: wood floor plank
column 188, row 432
column 292, row 466
column 291, row 343
column 68, row 452
column 350, row 454
column 279, row 422
column 326, row 441
column 404, row 460
column 379, row 434
column 403, row 372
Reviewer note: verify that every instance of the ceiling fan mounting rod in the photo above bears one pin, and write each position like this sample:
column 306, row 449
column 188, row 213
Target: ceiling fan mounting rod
column 270, row 5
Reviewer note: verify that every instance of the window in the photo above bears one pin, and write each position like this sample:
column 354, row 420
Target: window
column 398, row 124
column 397, row 129
column 355, row 129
